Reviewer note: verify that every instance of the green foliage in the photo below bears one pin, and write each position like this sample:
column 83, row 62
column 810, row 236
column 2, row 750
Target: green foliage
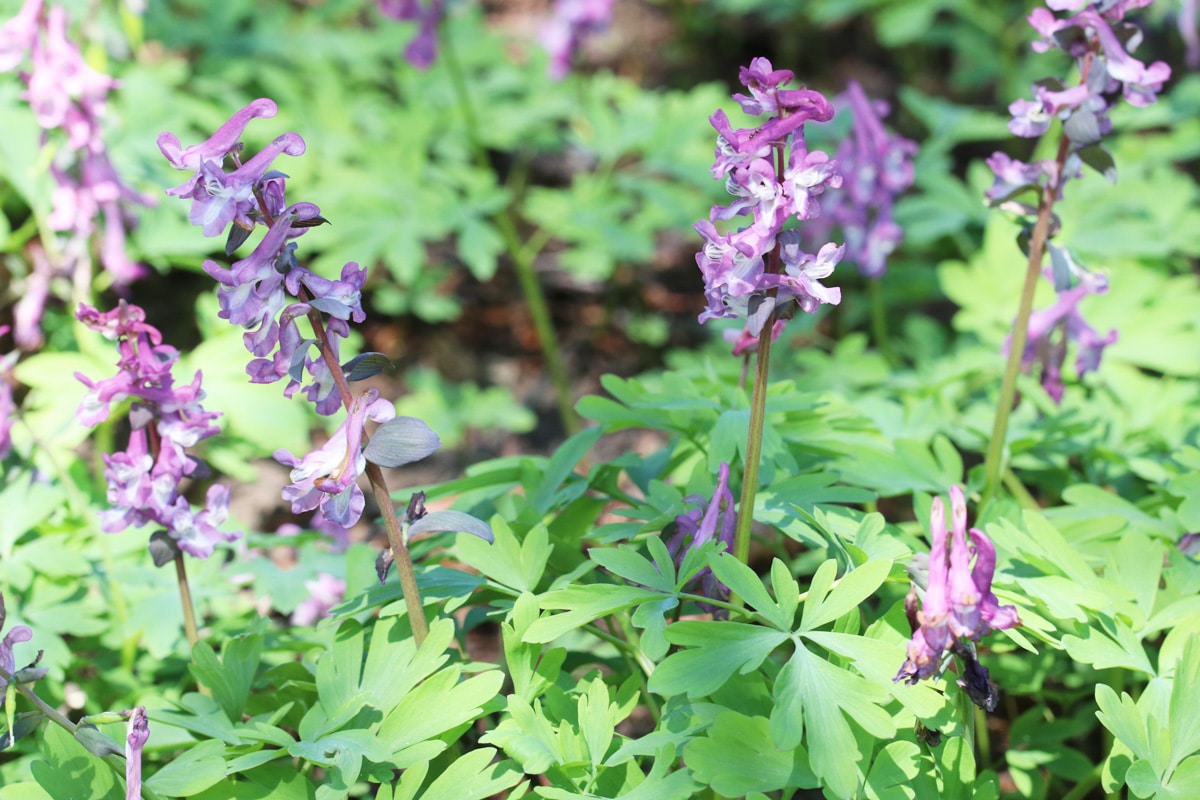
column 580, row 655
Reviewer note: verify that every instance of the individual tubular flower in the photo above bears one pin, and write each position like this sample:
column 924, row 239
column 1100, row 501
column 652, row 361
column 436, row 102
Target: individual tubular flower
column 166, row 419
column 137, row 734
column 959, row 606
column 714, row 521
column 755, row 272
column 15, row 635
column 876, row 168
column 327, row 477
column 571, row 21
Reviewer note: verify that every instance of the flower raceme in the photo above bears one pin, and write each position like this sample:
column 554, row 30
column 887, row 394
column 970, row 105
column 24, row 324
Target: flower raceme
column 166, row 419
column 268, row 292
column 959, row 605
column 876, row 168
column 759, row 269
column 68, row 100
column 1097, row 37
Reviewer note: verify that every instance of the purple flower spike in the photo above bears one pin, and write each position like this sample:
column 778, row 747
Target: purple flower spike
column 572, row 21
column 959, row 604
column 739, row 268
column 422, row 50
column 1064, row 315
column 143, row 485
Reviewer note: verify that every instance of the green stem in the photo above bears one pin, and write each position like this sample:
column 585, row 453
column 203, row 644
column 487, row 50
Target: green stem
column 758, row 412
column 521, row 256
column 1014, row 485
column 185, row 599
column 879, row 320
column 1085, row 786
column 49, row 712
column 637, row 662
column 994, row 462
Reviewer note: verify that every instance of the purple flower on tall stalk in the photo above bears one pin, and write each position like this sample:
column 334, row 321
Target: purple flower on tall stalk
column 1064, row 319
column 1098, row 38
column 268, row 293
column 959, row 605
column 166, row 419
column 257, row 292
column 754, row 272
column 571, row 21
column 327, row 477
column 713, row 519
column 876, row 168
column 68, row 100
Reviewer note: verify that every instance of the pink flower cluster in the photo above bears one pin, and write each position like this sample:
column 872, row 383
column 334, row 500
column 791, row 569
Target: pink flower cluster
column 760, row 269
column 68, row 98
column 959, row 603
column 144, row 479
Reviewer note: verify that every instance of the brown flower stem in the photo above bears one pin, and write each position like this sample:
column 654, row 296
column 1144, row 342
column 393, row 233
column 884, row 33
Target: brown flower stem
column 391, row 523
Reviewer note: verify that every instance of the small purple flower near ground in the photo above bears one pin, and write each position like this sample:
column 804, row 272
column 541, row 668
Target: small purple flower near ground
column 324, row 593
column 138, row 733
column 714, row 519
column 959, row 605
column 422, row 50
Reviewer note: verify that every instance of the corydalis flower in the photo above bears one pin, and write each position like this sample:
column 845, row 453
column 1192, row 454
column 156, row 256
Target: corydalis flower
column 137, row 734
column 422, row 50
column 959, row 603
column 8, row 407
column 15, row 635
column 712, row 520
column 1065, row 318
column 754, row 272
column 68, row 100
column 257, row 291
column 165, row 419
column 572, row 20
column 327, row 477
column 876, row 167
column 323, row 594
